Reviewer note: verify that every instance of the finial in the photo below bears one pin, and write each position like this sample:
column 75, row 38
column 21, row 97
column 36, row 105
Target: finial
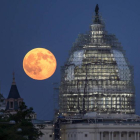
column 97, row 9
column 13, row 83
column 97, row 18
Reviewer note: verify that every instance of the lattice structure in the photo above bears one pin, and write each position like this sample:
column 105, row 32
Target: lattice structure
column 97, row 76
column 56, row 98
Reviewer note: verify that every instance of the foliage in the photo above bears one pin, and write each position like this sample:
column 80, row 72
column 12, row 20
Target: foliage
column 9, row 131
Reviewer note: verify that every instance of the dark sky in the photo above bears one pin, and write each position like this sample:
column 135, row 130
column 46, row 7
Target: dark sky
column 55, row 25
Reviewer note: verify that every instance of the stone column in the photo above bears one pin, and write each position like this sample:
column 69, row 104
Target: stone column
column 112, row 135
column 127, row 135
column 138, row 135
column 119, row 135
column 109, row 135
column 111, row 101
column 135, row 135
column 101, row 136
column 116, row 102
column 80, row 136
column 97, row 136
column 77, row 135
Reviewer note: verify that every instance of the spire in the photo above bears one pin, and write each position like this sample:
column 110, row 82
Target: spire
column 97, row 19
column 13, row 91
column 13, row 83
column 13, row 100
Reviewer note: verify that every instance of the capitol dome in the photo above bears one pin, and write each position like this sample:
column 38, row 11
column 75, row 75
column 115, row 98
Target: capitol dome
column 97, row 77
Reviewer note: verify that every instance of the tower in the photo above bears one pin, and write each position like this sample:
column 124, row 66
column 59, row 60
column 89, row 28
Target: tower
column 97, row 76
column 14, row 100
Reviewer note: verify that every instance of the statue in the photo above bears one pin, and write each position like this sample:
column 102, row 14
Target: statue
column 97, row 9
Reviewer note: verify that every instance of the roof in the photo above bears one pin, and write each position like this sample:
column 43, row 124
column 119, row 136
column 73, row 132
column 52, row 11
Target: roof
column 13, row 92
column 36, row 121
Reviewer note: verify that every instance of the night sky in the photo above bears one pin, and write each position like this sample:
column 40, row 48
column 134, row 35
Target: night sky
column 55, row 25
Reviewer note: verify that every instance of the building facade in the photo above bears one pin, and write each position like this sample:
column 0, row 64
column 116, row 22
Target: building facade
column 103, row 127
column 93, row 126
column 101, row 132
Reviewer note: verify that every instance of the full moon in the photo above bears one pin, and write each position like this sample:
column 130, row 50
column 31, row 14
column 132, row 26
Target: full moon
column 39, row 63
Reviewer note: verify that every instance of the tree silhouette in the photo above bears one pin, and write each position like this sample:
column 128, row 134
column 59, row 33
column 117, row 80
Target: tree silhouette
column 23, row 128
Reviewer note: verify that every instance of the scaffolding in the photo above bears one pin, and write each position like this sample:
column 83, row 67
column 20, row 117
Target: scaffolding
column 97, row 77
column 56, row 98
